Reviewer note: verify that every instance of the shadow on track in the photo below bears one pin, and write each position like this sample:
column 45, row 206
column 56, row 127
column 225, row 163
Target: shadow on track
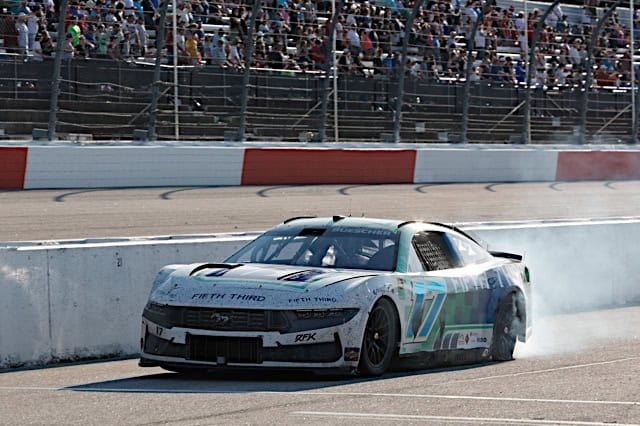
column 239, row 381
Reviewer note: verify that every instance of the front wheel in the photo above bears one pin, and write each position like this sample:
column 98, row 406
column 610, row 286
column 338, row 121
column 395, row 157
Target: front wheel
column 504, row 330
column 380, row 339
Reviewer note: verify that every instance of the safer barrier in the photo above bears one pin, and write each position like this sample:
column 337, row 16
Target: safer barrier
column 71, row 300
column 70, row 166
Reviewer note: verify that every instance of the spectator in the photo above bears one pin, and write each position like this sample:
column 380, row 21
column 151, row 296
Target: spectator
column 191, row 46
column 8, row 31
column 23, row 35
column 85, row 48
column 36, row 49
column 218, row 55
column 46, row 44
column 101, row 42
column 236, row 54
column 33, row 24
column 74, row 30
column 68, row 49
column 379, row 67
column 113, row 49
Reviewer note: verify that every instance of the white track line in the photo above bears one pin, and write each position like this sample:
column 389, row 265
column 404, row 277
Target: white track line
column 317, row 393
column 449, row 419
column 546, row 370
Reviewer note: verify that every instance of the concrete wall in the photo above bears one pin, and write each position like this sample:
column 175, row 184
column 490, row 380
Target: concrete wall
column 69, row 301
column 74, row 166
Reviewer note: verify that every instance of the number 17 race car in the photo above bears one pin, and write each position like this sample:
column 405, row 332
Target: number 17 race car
column 340, row 293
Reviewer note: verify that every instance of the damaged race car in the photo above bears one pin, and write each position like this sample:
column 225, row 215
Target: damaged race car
column 340, row 293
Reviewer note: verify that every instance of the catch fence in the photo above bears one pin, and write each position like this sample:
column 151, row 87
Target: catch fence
column 404, row 87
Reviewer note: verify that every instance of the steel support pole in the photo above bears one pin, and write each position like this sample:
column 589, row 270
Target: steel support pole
column 589, row 71
column 155, row 85
column 467, row 74
column 397, row 116
column 55, row 77
column 329, row 59
column 526, row 107
column 634, row 95
column 247, row 70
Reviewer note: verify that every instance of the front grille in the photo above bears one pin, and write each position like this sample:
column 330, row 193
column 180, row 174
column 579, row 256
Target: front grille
column 222, row 350
column 233, row 320
column 218, row 319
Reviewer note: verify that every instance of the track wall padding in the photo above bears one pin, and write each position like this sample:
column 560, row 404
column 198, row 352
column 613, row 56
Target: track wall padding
column 112, row 166
column 278, row 166
column 13, row 165
column 598, row 165
column 130, row 166
column 85, row 300
column 486, row 165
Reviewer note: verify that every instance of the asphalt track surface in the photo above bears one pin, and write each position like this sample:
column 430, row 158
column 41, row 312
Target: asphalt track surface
column 578, row 369
column 85, row 213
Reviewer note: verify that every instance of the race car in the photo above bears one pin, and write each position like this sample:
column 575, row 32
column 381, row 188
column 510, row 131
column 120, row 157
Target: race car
column 340, row 293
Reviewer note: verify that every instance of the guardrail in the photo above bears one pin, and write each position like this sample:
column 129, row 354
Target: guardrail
column 67, row 300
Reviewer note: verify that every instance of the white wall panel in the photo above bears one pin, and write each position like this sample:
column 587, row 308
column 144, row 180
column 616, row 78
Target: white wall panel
column 132, row 166
column 485, row 165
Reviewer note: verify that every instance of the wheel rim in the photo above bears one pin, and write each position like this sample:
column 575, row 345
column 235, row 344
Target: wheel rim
column 377, row 336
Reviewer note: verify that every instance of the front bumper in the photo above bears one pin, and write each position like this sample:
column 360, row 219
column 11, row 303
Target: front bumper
column 333, row 347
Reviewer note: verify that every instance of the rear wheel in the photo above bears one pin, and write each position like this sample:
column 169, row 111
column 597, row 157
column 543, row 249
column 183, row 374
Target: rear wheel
column 504, row 332
column 380, row 339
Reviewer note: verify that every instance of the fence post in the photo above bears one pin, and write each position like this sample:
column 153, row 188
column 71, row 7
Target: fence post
column 589, row 71
column 526, row 108
column 397, row 116
column 55, row 79
column 467, row 74
column 328, row 61
column 155, row 85
column 244, row 101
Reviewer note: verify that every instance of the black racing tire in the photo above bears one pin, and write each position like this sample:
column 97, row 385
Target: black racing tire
column 380, row 341
column 504, row 332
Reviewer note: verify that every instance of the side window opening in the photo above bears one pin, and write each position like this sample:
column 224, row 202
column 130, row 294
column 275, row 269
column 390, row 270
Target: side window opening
column 434, row 251
column 469, row 252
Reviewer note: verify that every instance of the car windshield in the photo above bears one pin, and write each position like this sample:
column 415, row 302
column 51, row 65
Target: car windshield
column 337, row 247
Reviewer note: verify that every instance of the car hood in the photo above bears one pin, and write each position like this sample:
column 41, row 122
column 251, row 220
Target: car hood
column 245, row 285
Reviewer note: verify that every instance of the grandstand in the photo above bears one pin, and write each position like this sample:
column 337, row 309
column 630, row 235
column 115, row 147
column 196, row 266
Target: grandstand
column 107, row 72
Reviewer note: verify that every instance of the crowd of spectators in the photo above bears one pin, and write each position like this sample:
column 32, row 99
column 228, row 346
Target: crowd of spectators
column 292, row 35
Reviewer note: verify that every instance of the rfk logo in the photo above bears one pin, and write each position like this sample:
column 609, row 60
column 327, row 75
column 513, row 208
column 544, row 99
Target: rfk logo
column 307, row 337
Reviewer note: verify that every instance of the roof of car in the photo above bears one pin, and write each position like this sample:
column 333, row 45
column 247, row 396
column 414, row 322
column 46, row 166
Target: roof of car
column 360, row 222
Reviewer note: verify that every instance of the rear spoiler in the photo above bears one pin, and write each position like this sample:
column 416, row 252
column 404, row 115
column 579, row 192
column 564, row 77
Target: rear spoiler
column 505, row 255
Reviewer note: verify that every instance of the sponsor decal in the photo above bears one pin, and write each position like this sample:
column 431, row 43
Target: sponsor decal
column 306, row 337
column 429, row 298
column 351, row 354
column 377, row 232
column 313, row 299
column 228, row 296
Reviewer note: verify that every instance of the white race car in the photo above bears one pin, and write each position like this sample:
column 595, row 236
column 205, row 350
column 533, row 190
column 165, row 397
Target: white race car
column 343, row 293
